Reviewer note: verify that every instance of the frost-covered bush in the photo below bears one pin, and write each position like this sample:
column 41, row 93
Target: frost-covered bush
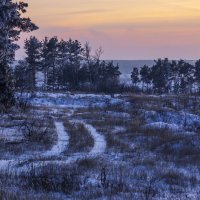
column 34, row 130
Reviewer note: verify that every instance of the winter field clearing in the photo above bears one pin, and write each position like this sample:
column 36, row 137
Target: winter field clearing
column 95, row 146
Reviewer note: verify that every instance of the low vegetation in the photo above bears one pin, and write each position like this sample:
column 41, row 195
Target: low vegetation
column 152, row 148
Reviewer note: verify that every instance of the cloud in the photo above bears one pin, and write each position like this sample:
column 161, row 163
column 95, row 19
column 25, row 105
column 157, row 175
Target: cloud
column 89, row 11
column 125, row 29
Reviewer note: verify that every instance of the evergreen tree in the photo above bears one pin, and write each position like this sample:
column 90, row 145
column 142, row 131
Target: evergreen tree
column 45, row 61
column 135, row 76
column 174, row 77
column 108, row 79
column 89, row 65
column 61, row 62
column 32, row 49
column 73, row 62
column 145, row 73
column 11, row 25
column 21, row 76
column 83, row 74
column 6, row 85
column 186, row 74
column 160, row 75
column 197, row 74
column 49, row 61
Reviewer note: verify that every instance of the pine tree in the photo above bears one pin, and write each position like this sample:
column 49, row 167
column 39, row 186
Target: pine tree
column 73, row 62
column 145, row 73
column 197, row 74
column 11, row 25
column 174, row 77
column 62, row 61
column 49, row 61
column 160, row 75
column 186, row 74
column 45, row 61
column 6, row 85
column 20, row 75
column 108, row 77
column 33, row 60
column 89, row 65
column 135, row 76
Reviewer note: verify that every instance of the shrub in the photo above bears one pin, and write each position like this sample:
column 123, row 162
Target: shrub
column 33, row 130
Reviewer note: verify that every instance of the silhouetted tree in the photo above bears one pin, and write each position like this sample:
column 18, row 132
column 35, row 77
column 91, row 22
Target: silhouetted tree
column 145, row 73
column 73, row 63
column 108, row 80
column 197, row 73
column 186, row 74
column 160, row 74
column 135, row 76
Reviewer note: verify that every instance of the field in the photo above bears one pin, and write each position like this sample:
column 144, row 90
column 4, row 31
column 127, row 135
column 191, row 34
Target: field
column 95, row 146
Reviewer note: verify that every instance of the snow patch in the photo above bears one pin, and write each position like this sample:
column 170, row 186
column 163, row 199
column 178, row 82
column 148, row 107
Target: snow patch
column 118, row 129
column 10, row 134
column 184, row 120
column 69, row 100
column 162, row 125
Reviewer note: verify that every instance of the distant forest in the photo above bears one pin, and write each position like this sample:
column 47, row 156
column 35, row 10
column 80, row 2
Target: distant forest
column 69, row 65
column 65, row 65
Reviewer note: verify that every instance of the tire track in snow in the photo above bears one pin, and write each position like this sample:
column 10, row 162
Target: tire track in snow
column 62, row 143
column 99, row 140
column 98, row 148
column 56, row 150
column 63, row 140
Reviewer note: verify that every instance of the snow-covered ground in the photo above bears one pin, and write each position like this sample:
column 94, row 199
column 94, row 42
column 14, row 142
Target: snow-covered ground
column 61, row 144
column 162, row 125
column 137, row 147
column 71, row 100
column 172, row 120
column 99, row 141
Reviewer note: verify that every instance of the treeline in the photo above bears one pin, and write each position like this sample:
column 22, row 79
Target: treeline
column 69, row 65
column 65, row 65
column 164, row 77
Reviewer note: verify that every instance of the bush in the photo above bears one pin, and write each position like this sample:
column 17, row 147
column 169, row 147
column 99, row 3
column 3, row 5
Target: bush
column 33, row 130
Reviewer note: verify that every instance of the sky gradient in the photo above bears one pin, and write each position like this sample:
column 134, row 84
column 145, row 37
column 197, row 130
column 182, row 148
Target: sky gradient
column 129, row 29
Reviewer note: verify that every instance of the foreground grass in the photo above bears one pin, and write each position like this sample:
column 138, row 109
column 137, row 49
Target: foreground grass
column 140, row 162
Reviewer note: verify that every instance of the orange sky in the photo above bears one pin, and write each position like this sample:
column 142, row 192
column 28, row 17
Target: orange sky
column 128, row 29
